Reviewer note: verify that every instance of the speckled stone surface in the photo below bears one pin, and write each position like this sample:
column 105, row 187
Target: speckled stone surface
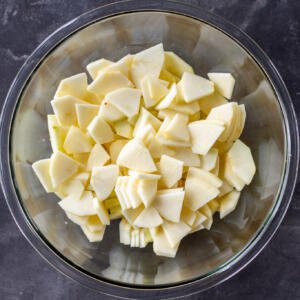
column 274, row 25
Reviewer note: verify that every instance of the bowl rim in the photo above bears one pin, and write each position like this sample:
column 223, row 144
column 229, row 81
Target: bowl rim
column 259, row 240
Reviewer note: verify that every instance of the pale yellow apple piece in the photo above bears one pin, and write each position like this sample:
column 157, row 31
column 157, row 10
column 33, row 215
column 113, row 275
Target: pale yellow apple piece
column 168, row 99
column 97, row 158
column 95, row 236
column 186, row 108
column 79, row 220
column 209, row 102
column 175, row 232
column 109, row 112
column 147, row 189
column 209, row 161
column 193, row 87
column 225, row 188
column 168, row 76
column 125, row 232
column 132, row 213
column 231, row 176
column 83, row 177
column 57, row 133
column 176, row 65
column 85, row 114
column 188, row 216
column 120, row 192
column 239, row 124
column 186, row 155
column 148, row 218
column 228, row 203
column 115, row 148
column 101, row 211
column 166, row 113
column 157, row 149
column 72, row 187
column 177, row 128
column 77, row 141
column 205, row 210
column 103, row 180
column 203, row 135
column 100, row 131
column 146, row 134
column 214, row 206
column 61, row 168
column 204, row 175
column 131, row 190
column 96, row 66
column 94, row 224
column 134, row 155
column 141, row 175
column 224, row 83
column 124, row 129
column 171, row 170
column 42, row 171
column 135, row 235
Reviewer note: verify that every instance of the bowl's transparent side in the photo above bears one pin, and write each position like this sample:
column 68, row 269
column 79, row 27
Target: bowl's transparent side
column 207, row 49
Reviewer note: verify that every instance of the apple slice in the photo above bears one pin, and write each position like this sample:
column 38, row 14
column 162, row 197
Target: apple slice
column 146, row 176
column 101, row 211
column 115, row 148
column 200, row 219
column 169, row 205
column 175, row 232
column 231, row 176
column 61, row 168
column 186, row 155
column 72, row 187
column 77, row 141
column 148, row 218
column 85, row 114
column 42, row 169
column 176, row 65
column 209, row 161
column 134, row 155
column 177, row 128
column 109, row 112
column 108, row 82
column 95, row 236
column 209, row 102
column 57, row 133
column 186, row 108
column 120, row 192
column 94, row 224
column 214, row 206
column 131, row 190
column 146, row 134
column 79, row 220
column 239, row 124
column 96, row 66
column 147, row 189
column 205, row 176
column 203, row 135
column 126, row 100
column 168, row 99
column 83, row 177
column 171, row 170
column 188, row 216
column 147, row 62
column 64, row 109
column 205, row 210
column 225, row 188
column 168, row 76
column 135, row 238
column 228, row 203
column 161, row 245
column 103, row 180
column 132, row 213
column 166, row 113
column 80, row 207
column 125, row 232
column 124, row 129
column 100, row 131
column 224, row 83
column 242, row 161
column 193, row 87
column 97, row 158
column 157, row 149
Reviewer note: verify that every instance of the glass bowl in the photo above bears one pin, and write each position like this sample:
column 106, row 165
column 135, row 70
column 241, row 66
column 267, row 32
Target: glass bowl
column 208, row 43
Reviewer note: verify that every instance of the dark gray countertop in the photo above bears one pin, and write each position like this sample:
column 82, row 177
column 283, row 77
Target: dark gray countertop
column 274, row 25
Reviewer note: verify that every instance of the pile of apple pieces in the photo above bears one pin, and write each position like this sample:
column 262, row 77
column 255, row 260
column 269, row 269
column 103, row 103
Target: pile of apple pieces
column 150, row 142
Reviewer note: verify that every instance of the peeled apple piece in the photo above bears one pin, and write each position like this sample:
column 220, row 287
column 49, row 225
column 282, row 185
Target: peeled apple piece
column 148, row 218
column 175, row 232
column 115, row 148
column 103, row 180
column 121, row 65
column 224, row 83
column 108, row 82
column 168, row 76
column 170, row 169
column 186, row 155
column 64, row 109
column 161, row 245
column 131, row 214
column 57, row 133
column 124, row 129
column 169, row 205
column 134, row 155
column 177, row 128
column 132, row 193
column 147, row 62
column 77, row 141
column 95, row 236
column 228, row 203
column 100, row 131
column 85, row 114
column 79, row 220
column 203, row 135
column 193, row 87
column 168, row 99
column 242, row 161
column 209, row 161
column 125, row 232
column 97, row 158
column 61, row 168
column 209, row 102
column 72, row 187
column 41, row 169
column 101, row 211
column 94, row 224
column 146, row 176
column 205, row 176
column 126, row 100
column 176, row 65
column 147, row 189
column 231, row 176
column 109, row 112
column 96, row 66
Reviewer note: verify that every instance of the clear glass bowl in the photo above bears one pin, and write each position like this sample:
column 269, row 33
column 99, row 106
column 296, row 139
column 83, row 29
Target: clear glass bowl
column 208, row 43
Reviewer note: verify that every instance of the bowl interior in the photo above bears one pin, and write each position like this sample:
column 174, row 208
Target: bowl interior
column 206, row 49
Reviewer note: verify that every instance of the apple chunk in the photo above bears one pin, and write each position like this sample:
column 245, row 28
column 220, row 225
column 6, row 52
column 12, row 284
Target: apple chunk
column 171, row 170
column 57, row 133
column 97, row 158
column 228, row 203
column 175, row 232
column 85, row 114
column 41, row 169
column 176, row 65
column 149, row 217
column 224, row 83
column 100, row 131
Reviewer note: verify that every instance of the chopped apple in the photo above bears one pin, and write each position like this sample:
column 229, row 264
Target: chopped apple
column 205, row 176
column 95, row 236
column 166, row 113
column 228, row 203
column 161, row 245
column 205, row 210
column 85, row 114
column 213, row 205
column 131, row 214
column 72, row 187
column 168, row 76
column 203, row 135
column 200, row 219
column 125, row 232
column 42, row 171
column 225, row 188
column 94, row 224
column 176, row 65
column 83, row 177
column 157, row 149
column 147, row 62
column 146, row 176
column 132, row 193
column 79, row 220
column 126, row 100
column 209, row 161
column 168, row 99
column 57, row 133
column 188, row 216
column 186, row 155
column 61, row 168
column 135, row 238
column 242, row 161
column 77, row 141
column 147, row 189
column 124, row 129
column 100, row 131
column 120, row 192
column 169, row 205
column 231, row 176
column 64, row 109
column 224, row 83
column 109, row 112
column 97, row 158
column 101, row 211
column 96, row 66
column 193, row 87
column 171, row 170
column 175, row 232
column 108, row 82
column 134, row 155
column 209, row 102
column 80, row 207
column 146, row 134
column 103, row 180
column 148, row 218
column 186, row 108
column 115, row 148
column 177, row 128
column 121, row 65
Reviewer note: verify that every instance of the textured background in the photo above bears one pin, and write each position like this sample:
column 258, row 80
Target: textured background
column 274, row 25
